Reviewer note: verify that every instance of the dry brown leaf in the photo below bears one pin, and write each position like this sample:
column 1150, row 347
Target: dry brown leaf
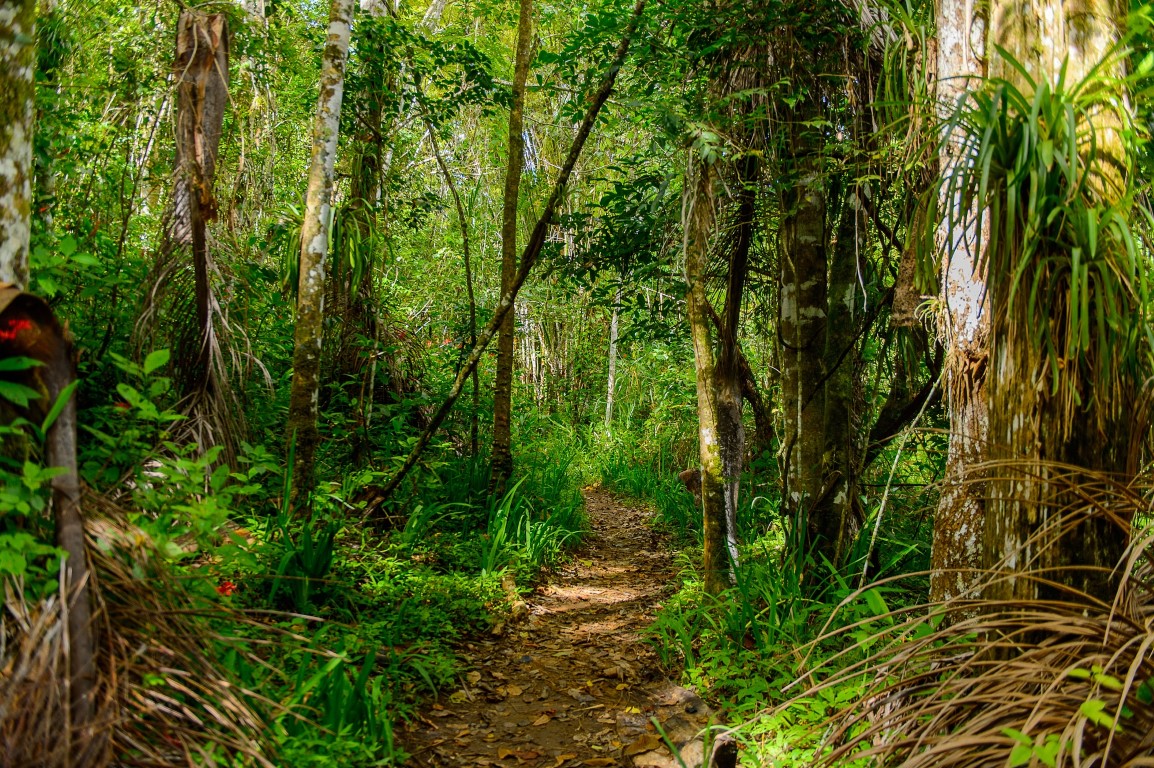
column 542, row 720
column 561, row 759
column 600, row 762
column 646, row 743
column 514, row 690
column 473, row 677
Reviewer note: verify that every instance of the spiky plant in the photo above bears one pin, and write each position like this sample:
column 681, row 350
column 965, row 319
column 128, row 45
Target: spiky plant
column 1045, row 166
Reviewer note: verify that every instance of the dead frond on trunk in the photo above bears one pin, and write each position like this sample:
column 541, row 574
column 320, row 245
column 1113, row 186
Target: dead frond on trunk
column 1062, row 680
column 161, row 697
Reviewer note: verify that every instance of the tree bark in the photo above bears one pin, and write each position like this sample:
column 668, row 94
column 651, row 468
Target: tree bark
column 697, row 217
column 835, row 515
column 17, row 65
column 959, row 523
column 309, row 332
column 201, row 69
column 803, row 320
column 611, row 386
column 1034, row 518
column 501, row 468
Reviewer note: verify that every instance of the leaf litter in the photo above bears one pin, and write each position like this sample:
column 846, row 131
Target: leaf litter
column 574, row 683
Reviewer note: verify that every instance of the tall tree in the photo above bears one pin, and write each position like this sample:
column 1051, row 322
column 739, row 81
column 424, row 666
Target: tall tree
column 309, row 332
column 17, row 66
column 959, row 523
column 1065, row 291
column 697, row 220
column 502, row 457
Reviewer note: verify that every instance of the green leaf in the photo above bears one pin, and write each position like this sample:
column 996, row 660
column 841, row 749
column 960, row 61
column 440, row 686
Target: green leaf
column 58, row 406
column 18, row 363
column 156, row 359
column 1094, row 710
column 18, row 394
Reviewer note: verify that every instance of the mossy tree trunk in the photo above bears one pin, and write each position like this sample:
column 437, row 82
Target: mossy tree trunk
column 803, row 325
column 17, row 65
column 502, row 455
column 697, row 219
column 309, row 332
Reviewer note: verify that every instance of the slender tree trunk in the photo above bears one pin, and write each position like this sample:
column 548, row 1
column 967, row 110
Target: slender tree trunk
column 959, row 523
column 697, row 217
column 17, row 65
column 611, row 387
column 201, row 70
column 502, row 457
column 303, row 404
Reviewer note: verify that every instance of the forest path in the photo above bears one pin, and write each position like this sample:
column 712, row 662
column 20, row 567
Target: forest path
column 573, row 684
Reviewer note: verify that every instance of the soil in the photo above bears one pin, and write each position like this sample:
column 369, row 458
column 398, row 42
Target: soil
column 573, row 682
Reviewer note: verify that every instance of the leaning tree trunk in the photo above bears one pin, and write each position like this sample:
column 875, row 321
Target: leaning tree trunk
column 959, row 523
column 697, row 218
column 17, row 65
column 502, row 456
column 303, row 403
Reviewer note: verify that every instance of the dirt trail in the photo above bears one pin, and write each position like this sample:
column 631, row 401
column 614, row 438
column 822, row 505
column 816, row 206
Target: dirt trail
column 573, row 683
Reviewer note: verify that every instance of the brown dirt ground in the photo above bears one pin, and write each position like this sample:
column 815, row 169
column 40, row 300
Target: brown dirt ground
column 573, row 683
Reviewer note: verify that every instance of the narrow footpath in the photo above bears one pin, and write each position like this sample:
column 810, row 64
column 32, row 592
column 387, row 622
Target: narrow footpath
column 573, row 682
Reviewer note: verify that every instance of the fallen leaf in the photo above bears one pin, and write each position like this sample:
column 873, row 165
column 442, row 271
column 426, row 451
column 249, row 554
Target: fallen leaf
column 598, row 762
column 514, row 690
column 646, row 743
column 473, row 677
column 562, row 758
column 542, row 720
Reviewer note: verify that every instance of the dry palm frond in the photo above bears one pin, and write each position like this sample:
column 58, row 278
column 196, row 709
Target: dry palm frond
column 1067, row 680
column 162, row 699
column 168, row 319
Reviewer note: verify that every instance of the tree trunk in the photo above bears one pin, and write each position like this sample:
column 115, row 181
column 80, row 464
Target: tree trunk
column 611, row 386
column 959, row 522
column 17, row 65
column 502, row 457
column 466, row 255
column 729, row 385
column 803, row 320
column 303, row 410
column 32, row 331
column 201, row 69
column 697, row 218
column 1034, row 518
column 835, row 515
